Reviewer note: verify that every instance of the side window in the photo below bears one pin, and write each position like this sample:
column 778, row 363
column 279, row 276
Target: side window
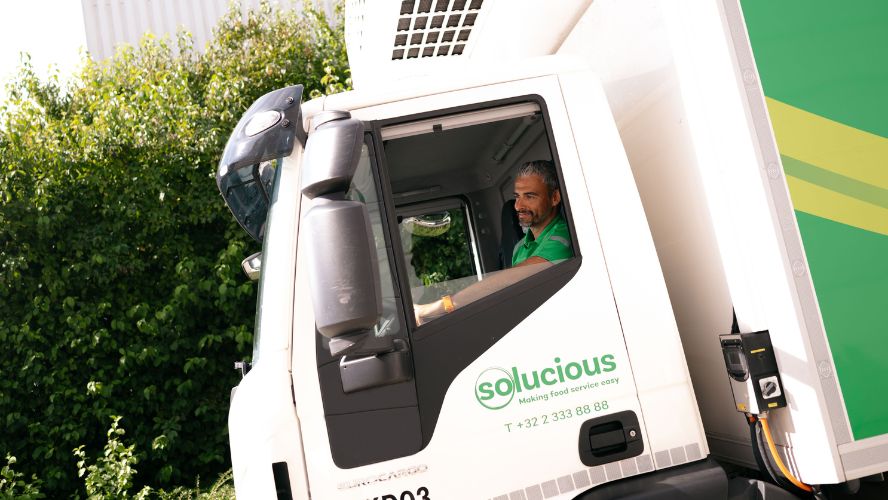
column 479, row 202
column 438, row 250
column 364, row 189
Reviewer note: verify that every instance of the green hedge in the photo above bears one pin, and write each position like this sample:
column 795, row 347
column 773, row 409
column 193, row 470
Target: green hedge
column 120, row 284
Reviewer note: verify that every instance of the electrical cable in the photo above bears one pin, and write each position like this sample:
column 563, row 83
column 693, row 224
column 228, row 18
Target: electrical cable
column 761, row 445
column 758, row 444
column 766, row 430
column 756, row 450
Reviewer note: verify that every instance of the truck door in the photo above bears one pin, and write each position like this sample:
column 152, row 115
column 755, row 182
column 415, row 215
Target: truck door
column 520, row 379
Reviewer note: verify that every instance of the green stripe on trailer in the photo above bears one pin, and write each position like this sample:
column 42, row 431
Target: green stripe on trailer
column 829, row 58
column 851, row 267
column 824, row 70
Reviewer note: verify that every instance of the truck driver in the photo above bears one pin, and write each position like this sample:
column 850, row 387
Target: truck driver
column 546, row 240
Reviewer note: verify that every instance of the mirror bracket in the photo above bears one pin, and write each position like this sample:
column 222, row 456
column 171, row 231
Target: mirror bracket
column 362, row 343
column 365, row 372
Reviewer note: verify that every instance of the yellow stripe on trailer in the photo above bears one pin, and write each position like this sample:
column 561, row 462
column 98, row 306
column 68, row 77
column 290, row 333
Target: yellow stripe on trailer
column 830, row 145
column 828, row 204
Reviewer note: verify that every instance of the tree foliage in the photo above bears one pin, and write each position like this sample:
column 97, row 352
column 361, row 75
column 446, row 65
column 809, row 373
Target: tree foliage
column 120, row 285
column 445, row 256
column 13, row 485
column 111, row 477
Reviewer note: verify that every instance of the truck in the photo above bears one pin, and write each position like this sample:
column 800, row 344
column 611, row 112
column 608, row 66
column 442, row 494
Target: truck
column 715, row 330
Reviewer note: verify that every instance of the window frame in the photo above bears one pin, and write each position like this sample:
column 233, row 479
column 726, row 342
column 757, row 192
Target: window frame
column 429, row 329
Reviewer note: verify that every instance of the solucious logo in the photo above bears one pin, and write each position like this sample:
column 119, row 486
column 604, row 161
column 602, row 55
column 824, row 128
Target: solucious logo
column 496, row 387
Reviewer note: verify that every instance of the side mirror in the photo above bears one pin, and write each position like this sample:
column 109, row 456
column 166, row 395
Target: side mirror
column 252, row 266
column 343, row 269
column 344, row 272
column 267, row 132
column 343, row 265
column 428, row 225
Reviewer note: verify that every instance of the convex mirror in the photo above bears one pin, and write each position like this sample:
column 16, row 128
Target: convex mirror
column 427, row 225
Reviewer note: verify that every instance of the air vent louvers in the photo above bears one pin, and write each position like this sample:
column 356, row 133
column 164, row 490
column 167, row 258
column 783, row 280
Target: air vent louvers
column 427, row 18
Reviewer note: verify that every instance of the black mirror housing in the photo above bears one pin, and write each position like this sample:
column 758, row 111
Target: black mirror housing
column 269, row 130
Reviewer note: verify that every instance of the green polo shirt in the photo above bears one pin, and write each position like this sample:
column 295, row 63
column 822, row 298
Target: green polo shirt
column 552, row 245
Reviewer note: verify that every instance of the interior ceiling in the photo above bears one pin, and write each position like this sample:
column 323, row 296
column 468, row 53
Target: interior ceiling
column 454, row 157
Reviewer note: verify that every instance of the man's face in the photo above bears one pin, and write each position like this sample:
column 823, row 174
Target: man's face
column 533, row 201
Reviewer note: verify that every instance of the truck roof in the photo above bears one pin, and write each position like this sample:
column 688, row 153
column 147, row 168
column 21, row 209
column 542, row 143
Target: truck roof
column 473, row 74
column 394, row 39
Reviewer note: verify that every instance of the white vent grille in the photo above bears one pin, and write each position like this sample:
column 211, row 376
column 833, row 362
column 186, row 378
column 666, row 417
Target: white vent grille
column 434, row 28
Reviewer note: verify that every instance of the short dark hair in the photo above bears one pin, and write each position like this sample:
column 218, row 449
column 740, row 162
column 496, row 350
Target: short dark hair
column 543, row 168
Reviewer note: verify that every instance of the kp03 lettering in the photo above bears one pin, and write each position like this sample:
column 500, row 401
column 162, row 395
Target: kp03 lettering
column 422, row 493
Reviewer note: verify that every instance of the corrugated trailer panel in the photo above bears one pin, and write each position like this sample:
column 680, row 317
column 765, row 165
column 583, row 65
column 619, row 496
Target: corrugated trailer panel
column 110, row 23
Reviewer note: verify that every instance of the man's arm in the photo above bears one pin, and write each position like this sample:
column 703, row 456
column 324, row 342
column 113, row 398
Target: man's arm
column 531, row 261
column 555, row 249
column 491, row 283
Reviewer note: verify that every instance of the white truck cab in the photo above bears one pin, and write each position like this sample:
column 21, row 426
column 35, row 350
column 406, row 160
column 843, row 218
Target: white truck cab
column 564, row 376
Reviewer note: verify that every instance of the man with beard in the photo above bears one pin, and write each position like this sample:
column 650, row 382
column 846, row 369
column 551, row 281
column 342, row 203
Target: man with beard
column 537, row 199
column 546, row 240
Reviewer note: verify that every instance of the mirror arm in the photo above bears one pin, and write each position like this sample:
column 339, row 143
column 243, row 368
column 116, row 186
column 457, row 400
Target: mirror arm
column 361, row 343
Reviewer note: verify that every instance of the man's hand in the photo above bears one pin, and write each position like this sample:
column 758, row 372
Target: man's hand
column 425, row 312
